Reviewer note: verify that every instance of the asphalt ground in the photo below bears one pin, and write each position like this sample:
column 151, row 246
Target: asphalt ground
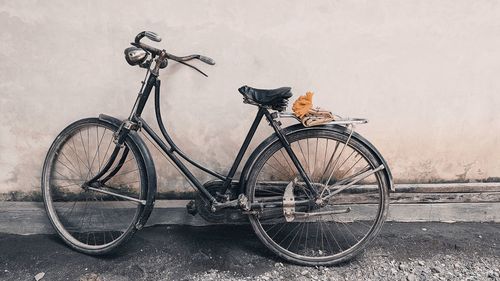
column 403, row 251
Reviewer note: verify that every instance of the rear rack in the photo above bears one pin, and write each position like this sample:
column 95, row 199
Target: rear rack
column 338, row 120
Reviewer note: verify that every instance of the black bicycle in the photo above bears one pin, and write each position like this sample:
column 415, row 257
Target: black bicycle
column 313, row 195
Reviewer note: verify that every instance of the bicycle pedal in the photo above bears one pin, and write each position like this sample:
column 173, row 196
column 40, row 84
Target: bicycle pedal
column 191, row 208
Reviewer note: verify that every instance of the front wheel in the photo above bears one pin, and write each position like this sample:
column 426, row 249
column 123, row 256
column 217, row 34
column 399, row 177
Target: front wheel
column 93, row 221
column 346, row 173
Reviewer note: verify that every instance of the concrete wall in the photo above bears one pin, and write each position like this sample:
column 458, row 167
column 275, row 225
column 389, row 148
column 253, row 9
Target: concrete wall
column 424, row 72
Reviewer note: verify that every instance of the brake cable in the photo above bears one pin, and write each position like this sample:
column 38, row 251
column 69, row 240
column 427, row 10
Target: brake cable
column 192, row 66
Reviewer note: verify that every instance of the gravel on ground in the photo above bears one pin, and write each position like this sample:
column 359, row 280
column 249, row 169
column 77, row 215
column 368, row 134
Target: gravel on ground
column 403, row 251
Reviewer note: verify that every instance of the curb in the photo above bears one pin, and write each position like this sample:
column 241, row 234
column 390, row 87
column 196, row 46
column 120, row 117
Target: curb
column 445, row 202
column 26, row 218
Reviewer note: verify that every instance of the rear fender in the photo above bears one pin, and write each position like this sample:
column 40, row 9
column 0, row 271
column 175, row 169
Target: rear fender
column 299, row 127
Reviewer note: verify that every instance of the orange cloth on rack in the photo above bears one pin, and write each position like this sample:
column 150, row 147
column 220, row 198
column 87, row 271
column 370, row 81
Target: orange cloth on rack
column 302, row 105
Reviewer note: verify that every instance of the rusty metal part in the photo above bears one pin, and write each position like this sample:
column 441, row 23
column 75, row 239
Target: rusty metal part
column 289, row 201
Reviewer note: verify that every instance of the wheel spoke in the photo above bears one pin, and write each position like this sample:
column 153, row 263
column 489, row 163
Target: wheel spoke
column 340, row 187
column 317, row 231
column 92, row 217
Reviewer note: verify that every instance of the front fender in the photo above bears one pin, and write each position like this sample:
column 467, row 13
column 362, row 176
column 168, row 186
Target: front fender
column 150, row 169
column 299, row 127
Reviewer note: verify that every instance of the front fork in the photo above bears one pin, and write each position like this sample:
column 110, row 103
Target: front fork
column 97, row 182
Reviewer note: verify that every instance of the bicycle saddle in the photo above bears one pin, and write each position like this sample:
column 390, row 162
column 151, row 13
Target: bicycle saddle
column 276, row 98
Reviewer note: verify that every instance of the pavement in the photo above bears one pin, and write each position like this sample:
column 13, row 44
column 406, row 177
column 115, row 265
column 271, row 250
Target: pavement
column 403, row 251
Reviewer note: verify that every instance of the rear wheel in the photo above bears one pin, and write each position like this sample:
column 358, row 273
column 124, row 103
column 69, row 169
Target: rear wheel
column 92, row 221
column 347, row 174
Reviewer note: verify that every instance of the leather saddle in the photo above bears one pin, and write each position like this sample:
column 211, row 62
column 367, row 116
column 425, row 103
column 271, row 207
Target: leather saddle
column 275, row 98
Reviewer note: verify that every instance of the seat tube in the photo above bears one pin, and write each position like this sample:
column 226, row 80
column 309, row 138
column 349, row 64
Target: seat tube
column 243, row 149
column 279, row 132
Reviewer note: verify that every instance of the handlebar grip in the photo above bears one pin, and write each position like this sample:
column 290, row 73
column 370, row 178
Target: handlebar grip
column 206, row 60
column 151, row 36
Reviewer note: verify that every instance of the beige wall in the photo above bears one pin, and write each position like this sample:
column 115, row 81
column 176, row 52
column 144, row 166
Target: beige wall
column 426, row 74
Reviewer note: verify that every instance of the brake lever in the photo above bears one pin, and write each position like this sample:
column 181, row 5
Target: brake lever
column 194, row 67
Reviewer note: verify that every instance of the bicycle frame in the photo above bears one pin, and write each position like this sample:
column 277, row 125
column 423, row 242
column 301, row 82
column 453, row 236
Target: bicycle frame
column 273, row 193
column 135, row 122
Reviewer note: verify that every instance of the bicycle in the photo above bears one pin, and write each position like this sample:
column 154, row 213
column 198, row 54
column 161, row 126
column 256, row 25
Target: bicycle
column 313, row 195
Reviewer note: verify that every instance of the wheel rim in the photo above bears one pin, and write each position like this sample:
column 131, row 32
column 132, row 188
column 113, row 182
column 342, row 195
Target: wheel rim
column 324, row 238
column 88, row 219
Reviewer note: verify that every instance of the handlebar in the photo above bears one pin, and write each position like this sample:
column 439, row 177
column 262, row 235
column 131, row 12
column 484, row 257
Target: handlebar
column 151, row 36
column 157, row 52
column 204, row 59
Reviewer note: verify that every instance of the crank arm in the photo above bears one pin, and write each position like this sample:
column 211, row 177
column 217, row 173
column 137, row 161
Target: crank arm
column 142, row 202
column 229, row 204
column 241, row 202
column 353, row 182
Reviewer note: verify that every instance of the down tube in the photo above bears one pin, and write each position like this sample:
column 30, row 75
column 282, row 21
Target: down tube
column 192, row 179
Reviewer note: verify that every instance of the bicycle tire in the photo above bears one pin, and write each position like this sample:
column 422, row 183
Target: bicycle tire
column 314, row 134
column 54, row 201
